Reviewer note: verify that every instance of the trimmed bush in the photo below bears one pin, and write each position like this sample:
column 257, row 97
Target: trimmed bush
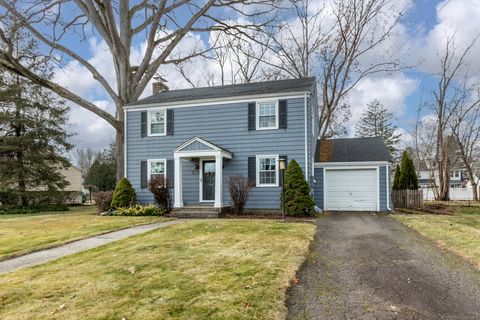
column 124, row 195
column 160, row 188
column 298, row 200
column 239, row 188
column 103, row 200
column 139, row 210
column 33, row 209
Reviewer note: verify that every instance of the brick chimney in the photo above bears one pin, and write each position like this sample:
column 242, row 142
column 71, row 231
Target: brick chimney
column 159, row 85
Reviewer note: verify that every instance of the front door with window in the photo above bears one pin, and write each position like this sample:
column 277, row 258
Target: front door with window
column 208, row 180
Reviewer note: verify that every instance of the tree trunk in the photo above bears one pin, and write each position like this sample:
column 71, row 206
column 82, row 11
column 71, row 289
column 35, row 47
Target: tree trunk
column 475, row 191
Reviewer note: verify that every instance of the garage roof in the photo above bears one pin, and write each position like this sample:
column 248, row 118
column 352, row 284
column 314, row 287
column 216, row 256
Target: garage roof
column 352, row 150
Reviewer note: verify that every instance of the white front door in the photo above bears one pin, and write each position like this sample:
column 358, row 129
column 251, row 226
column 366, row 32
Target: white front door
column 351, row 189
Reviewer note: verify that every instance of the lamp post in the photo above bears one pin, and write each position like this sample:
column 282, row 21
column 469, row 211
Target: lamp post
column 282, row 165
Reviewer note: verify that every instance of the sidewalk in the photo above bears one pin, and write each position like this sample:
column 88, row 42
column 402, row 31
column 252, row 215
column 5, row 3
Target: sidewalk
column 39, row 257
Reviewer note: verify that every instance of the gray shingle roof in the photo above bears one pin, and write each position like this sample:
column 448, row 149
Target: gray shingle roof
column 290, row 85
column 352, row 150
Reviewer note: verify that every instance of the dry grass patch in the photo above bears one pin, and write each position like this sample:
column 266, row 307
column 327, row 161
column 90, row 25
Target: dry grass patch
column 217, row 269
column 459, row 233
column 21, row 234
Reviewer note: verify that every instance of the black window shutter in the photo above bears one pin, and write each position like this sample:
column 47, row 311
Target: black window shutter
column 251, row 116
column 144, row 123
column 171, row 172
column 286, row 162
column 252, row 169
column 170, row 123
column 143, row 174
column 282, row 114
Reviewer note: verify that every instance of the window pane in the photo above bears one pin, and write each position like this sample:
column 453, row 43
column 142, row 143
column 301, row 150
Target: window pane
column 267, row 115
column 267, row 170
column 156, row 128
column 152, row 176
column 157, row 167
column 157, row 116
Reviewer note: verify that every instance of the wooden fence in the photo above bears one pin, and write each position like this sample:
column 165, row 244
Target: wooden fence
column 412, row 199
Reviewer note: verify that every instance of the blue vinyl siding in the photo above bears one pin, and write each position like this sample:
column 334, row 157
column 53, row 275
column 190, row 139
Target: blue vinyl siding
column 226, row 126
column 383, row 188
column 318, row 187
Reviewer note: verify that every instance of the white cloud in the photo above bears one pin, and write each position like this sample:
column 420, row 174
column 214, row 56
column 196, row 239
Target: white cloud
column 391, row 91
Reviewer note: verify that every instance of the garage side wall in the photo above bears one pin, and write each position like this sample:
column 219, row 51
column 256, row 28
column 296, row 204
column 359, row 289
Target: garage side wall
column 383, row 188
column 318, row 188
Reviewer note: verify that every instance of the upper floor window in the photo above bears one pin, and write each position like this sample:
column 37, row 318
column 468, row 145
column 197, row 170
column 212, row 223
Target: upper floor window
column 267, row 115
column 267, row 170
column 157, row 169
column 157, row 123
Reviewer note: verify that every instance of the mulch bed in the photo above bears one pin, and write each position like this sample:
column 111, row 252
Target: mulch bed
column 429, row 209
column 269, row 216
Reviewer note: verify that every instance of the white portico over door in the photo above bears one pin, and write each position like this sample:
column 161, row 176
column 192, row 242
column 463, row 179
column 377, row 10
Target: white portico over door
column 211, row 164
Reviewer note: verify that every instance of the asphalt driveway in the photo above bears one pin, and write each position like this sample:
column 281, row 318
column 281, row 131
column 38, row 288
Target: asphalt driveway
column 367, row 266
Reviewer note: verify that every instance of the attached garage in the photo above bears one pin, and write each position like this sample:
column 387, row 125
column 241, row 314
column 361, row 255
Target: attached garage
column 352, row 175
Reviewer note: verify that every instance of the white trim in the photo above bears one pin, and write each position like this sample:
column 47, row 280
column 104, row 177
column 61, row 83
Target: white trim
column 350, row 164
column 218, row 182
column 200, row 180
column 216, row 101
column 257, row 169
column 378, row 188
column 257, row 114
column 325, row 169
column 149, row 173
column 306, row 137
column 178, row 188
column 149, row 124
column 125, row 143
column 387, row 175
column 202, row 153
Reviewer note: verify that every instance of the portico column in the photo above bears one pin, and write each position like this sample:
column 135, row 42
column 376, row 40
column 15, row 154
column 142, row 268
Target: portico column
column 218, row 181
column 177, row 185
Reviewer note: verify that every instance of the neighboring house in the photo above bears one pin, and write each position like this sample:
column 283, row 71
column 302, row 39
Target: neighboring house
column 353, row 175
column 74, row 189
column 199, row 137
column 428, row 176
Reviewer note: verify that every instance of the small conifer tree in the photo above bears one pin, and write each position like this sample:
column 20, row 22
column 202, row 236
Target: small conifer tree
column 124, row 194
column 298, row 200
column 408, row 177
column 396, row 178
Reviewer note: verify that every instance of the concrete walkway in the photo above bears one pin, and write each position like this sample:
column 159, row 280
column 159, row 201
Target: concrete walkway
column 39, row 257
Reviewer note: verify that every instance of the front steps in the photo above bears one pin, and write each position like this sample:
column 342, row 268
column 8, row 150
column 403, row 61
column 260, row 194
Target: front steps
column 196, row 212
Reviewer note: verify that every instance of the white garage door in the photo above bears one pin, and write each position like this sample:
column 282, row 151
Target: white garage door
column 351, row 190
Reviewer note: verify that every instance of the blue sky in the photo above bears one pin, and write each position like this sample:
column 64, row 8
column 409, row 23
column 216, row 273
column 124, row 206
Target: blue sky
column 421, row 35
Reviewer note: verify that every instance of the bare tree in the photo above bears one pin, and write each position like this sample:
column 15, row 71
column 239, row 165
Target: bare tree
column 465, row 127
column 331, row 42
column 235, row 59
column 84, row 158
column 446, row 104
column 121, row 25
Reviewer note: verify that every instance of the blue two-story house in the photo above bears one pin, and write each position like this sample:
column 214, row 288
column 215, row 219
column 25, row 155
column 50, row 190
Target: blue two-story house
column 199, row 137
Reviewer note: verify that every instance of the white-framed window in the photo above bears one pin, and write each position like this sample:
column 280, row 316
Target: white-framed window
column 156, row 168
column 267, row 170
column 157, row 122
column 267, row 115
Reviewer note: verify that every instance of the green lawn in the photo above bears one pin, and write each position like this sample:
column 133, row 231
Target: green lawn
column 459, row 233
column 20, row 234
column 216, row 269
